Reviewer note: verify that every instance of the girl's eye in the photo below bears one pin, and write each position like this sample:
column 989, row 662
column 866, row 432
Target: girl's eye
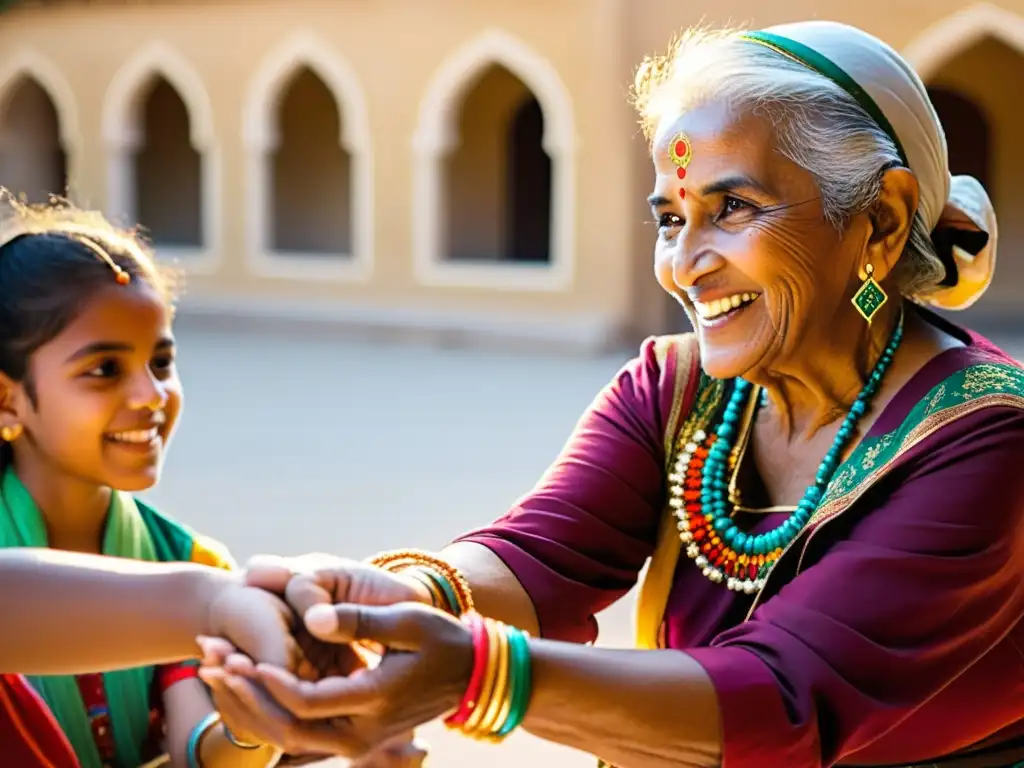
column 162, row 364
column 106, row 370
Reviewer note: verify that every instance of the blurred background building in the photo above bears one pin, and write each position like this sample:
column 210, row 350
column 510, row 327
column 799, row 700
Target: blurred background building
column 445, row 167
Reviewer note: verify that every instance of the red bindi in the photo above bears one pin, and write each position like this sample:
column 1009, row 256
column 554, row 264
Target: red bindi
column 682, row 192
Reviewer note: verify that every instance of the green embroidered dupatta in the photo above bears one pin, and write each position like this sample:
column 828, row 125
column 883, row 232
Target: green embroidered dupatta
column 133, row 531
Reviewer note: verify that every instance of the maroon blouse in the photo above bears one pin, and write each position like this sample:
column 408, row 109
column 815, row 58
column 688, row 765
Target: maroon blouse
column 900, row 641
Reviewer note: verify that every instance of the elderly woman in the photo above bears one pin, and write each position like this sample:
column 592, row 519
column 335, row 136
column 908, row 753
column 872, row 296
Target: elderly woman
column 826, row 476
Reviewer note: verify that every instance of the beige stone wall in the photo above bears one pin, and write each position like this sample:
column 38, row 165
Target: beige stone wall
column 342, row 151
column 223, row 57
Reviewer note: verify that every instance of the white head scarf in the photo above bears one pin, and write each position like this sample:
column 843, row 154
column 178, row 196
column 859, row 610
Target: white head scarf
column 957, row 210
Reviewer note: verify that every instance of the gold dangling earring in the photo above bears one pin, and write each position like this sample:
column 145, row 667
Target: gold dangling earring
column 869, row 297
column 10, row 434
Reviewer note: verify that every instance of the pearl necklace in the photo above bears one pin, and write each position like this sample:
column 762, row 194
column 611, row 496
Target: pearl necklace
column 699, row 489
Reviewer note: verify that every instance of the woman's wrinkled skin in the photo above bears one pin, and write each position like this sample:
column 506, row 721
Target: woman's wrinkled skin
column 752, row 221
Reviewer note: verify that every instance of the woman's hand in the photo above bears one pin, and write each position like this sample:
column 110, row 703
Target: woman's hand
column 423, row 675
column 237, row 693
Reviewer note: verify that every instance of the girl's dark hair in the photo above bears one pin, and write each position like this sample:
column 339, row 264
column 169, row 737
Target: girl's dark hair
column 53, row 257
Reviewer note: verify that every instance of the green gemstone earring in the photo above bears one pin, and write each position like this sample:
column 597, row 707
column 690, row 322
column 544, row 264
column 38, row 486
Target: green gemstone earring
column 869, row 297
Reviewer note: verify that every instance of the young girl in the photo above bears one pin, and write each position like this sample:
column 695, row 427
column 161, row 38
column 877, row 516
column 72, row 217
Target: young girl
column 89, row 398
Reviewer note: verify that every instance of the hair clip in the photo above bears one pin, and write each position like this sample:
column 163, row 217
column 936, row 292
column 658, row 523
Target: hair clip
column 122, row 277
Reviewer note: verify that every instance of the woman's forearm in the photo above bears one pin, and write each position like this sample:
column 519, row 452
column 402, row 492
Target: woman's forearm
column 634, row 709
column 497, row 592
column 70, row 613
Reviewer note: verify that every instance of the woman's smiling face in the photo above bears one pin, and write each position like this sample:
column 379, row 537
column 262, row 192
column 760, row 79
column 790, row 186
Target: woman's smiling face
column 744, row 245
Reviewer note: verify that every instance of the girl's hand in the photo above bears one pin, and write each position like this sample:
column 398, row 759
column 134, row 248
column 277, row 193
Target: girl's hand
column 257, row 622
column 313, row 579
column 318, row 579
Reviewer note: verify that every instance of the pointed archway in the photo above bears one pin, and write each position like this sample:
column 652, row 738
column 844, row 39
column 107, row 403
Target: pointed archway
column 311, row 181
column 163, row 163
column 983, row 117
column 528, row 186
column 968, row 132
column 167, row 171
column 33, row 164
column 42, row 138
column 494, row 156
column 498, row 179
column 310, row 174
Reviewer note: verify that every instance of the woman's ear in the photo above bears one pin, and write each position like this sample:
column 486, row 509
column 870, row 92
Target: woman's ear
column 892, row 218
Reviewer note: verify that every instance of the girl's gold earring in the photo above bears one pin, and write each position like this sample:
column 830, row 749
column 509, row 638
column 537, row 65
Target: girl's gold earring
column 10, row 434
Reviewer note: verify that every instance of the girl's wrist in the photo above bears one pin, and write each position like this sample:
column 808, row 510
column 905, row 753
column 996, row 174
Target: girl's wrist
column 213, row 586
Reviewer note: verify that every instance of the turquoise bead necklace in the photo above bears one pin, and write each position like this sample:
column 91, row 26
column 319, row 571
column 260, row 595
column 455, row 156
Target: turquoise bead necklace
column 700, row 490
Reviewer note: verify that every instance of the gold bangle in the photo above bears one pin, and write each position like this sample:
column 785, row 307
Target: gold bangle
column 236, row 742
column 489, row 721
column 506, row 704
column 490, row 678
column 400, row 559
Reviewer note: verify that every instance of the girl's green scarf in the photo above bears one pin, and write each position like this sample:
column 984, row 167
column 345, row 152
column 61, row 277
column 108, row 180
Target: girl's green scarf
column 128, row 691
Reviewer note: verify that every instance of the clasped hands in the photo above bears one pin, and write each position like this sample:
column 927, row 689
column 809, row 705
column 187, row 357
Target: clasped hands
column 331, row 695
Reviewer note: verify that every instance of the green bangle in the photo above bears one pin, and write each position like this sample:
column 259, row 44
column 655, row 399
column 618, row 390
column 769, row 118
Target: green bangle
column 521, row 680
column 446, row 588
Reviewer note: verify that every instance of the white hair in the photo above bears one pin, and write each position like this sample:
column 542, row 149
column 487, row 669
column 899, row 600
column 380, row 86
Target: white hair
column 819, row 126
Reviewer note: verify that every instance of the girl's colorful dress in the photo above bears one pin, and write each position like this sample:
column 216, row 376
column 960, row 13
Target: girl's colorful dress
column 110, row 720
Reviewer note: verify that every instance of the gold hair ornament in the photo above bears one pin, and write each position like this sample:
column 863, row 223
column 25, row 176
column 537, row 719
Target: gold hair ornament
column 24, row 219
column 122, row 277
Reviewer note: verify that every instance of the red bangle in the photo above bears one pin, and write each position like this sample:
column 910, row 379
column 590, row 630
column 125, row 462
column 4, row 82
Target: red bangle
column 172, row 674
column 480, row 651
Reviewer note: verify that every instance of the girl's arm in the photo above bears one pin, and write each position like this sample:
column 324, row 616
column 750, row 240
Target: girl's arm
column 77, row 613
column 187, row 704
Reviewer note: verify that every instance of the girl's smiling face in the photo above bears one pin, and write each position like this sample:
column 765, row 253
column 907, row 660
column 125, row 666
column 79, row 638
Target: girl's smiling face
column 101, row 399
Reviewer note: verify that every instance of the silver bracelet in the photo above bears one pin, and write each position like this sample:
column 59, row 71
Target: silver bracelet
column 235, row 742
